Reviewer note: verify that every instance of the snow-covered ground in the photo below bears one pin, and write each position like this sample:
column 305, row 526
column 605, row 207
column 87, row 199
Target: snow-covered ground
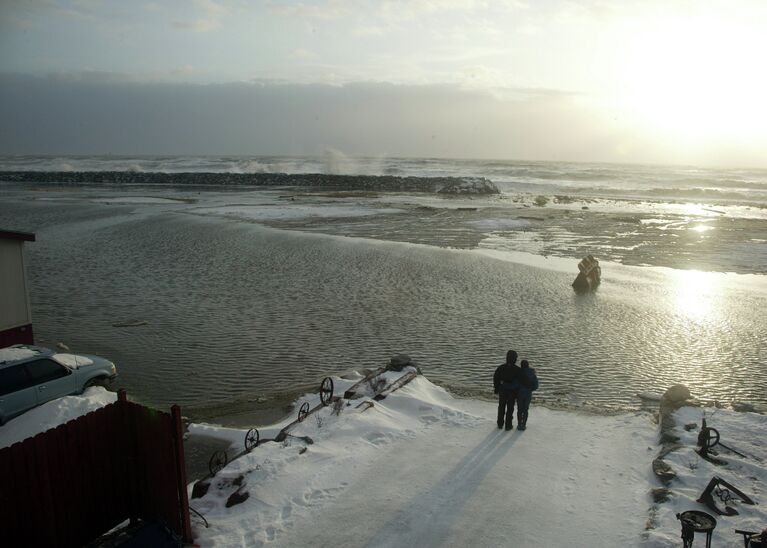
column 137, row 200
column 55, row 412
column 292, row 212
column 423, row 468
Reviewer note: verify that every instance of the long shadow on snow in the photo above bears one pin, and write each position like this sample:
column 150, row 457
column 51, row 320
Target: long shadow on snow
column 426, row 521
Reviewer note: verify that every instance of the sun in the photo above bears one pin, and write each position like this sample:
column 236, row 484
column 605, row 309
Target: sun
column 696, row 78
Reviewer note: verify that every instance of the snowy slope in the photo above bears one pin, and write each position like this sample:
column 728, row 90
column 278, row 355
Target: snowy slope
column 424, row 469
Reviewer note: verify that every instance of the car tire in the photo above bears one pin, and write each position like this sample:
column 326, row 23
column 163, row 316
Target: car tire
column 96, row 381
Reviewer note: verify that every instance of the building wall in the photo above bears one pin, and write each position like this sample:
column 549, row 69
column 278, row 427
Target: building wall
column 14, row 302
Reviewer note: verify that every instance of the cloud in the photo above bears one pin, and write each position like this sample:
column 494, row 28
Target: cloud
column 91, row 77
column 198, row 25
column 387, row 11
column 105, row 113
column 99, row 113
column 303, row 54
column 104, row 77
column 184, row 70
column 325, row 9
column 210, row 19
column 211, row 8
column 27, row 14
column 369, row 30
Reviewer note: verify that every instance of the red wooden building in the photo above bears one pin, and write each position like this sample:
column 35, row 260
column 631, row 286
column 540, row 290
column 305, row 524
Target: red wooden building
column 15, row 311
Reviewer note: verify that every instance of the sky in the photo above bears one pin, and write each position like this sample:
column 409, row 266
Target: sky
column 578, row 80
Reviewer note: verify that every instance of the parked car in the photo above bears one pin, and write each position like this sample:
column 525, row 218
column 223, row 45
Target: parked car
column 32, row 375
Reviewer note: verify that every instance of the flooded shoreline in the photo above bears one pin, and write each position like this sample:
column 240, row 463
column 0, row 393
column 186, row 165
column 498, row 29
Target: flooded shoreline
column 233, row 295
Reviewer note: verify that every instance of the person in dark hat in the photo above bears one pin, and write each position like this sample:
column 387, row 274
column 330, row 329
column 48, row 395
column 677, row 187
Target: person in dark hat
column 506, row 382
column 528, row 382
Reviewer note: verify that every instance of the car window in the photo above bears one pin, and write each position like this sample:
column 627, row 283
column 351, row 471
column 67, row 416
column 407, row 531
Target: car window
column 14, row 378
column 46, row 370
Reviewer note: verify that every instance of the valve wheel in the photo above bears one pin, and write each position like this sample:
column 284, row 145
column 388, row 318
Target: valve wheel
column 326, row 390
column 713, row 438
column 251, row 439
column 217, row 461
column 303, row 411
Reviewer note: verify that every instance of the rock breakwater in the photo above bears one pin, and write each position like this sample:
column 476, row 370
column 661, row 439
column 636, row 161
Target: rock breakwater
column 378, row 183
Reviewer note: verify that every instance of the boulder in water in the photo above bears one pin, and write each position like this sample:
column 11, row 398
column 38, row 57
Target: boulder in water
column 589, row 275
column 468, row 185
column 399, row 362
column 676, row 395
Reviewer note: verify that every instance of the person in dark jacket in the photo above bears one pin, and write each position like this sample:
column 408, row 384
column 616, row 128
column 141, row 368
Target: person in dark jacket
column 506, row 384
column 527, row 384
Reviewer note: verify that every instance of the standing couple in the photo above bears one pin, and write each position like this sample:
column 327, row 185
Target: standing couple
column 513, row 384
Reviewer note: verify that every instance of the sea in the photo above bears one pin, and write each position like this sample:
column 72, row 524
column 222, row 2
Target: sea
column 235, row 300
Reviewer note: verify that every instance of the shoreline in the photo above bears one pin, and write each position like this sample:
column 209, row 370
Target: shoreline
column 345, row 296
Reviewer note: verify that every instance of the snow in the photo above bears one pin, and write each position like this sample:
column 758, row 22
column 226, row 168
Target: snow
column 71, row 360
column 13, row 353
column 19, row 352
column 500, row 224
column 272, row 213
column 422, row 468
column 137, row 200
column 743, row 432
column 51, row 414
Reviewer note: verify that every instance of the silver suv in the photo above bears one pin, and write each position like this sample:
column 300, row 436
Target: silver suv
column 32, row 375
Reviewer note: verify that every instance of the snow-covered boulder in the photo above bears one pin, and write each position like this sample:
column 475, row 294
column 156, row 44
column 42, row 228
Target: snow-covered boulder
column 468, row 185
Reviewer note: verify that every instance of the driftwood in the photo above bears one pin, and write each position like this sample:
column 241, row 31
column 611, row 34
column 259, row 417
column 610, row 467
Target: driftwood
column 351, row 393
column 396, row 385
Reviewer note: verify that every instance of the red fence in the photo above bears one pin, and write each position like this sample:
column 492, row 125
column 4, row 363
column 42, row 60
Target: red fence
column 69, row 485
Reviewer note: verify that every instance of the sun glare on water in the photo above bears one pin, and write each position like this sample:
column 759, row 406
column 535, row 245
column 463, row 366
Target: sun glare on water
column 694, row 294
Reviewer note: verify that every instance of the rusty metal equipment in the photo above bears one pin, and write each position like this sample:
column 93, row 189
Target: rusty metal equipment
column 724, row 492
column 220, row 459
column 252, row 438
column 694, row 521
column 326, row 390
column 217, row 461
column 303, row 411
column 752, row 539
column 708, row 438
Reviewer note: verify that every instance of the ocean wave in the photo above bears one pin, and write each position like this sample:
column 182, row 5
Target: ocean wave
column 698, row 192
column 383, row 183
column 709, row 182
column 738, row 195
column 661, row 192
